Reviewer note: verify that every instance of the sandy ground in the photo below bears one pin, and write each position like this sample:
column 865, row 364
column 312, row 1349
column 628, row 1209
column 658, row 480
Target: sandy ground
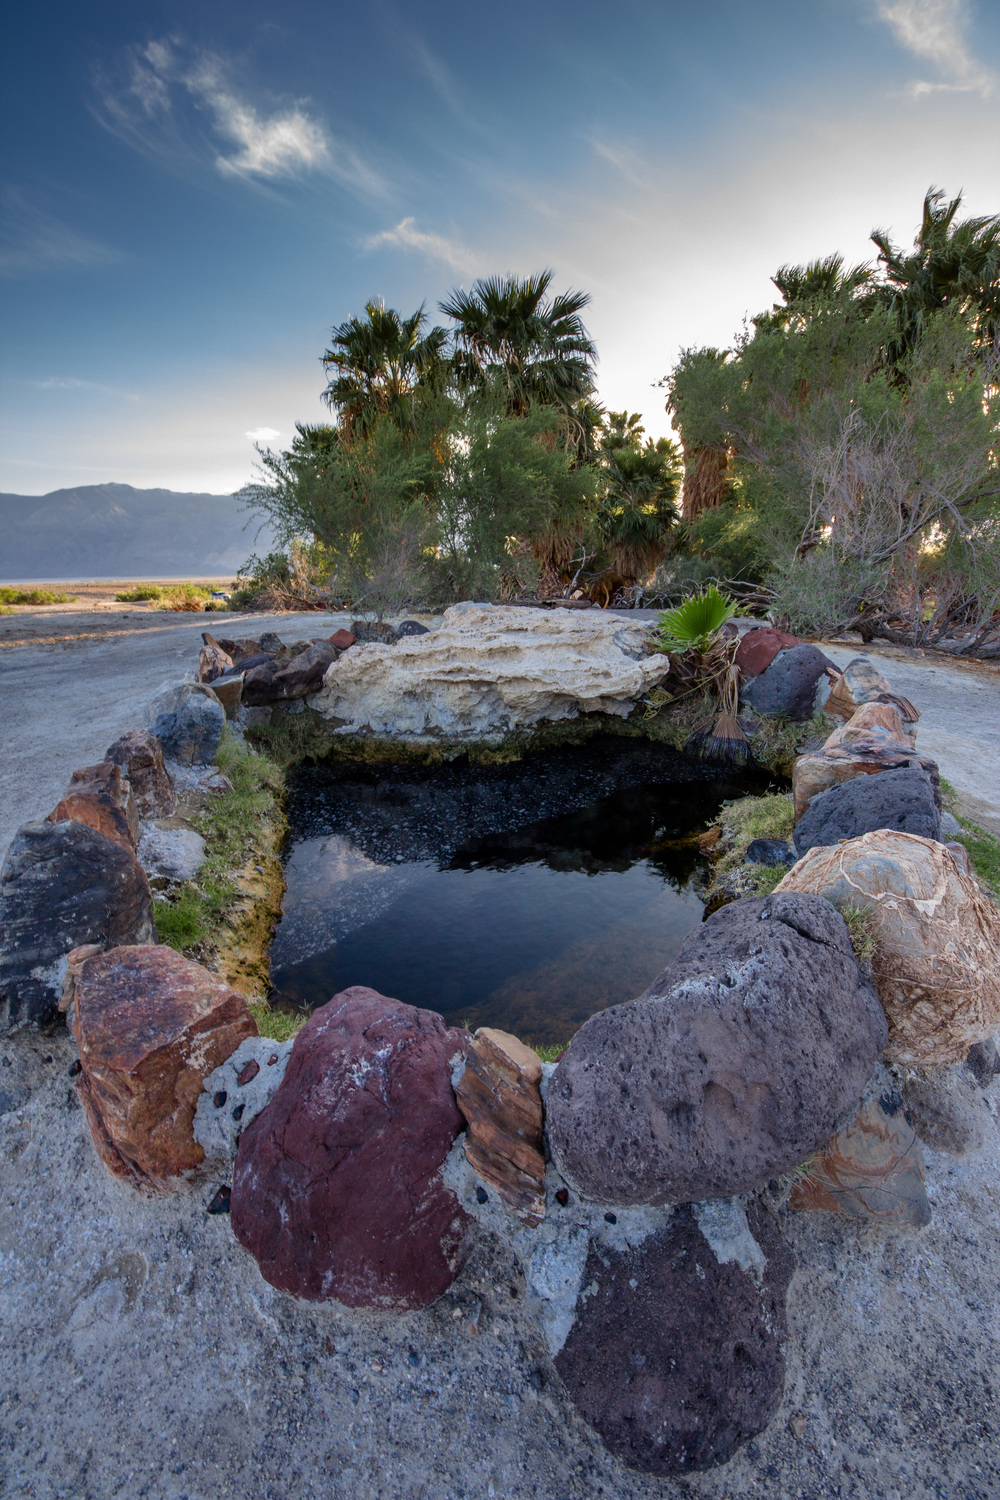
column 143, row 1355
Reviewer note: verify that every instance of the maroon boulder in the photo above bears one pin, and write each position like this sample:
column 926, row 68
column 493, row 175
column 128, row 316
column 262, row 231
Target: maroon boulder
column 759, row 647
column 140, row 755
column 677, row 1353
column 337, row 1188
column 342, row 639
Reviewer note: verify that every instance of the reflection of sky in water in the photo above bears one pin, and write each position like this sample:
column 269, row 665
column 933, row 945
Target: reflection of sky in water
column 525, row 896
column 532, row 949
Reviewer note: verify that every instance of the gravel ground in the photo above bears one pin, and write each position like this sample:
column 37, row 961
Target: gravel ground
column 143, row 1355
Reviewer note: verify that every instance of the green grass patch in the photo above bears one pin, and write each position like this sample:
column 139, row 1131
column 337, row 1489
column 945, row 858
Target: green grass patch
column 169, row 596
column 280, row 1025
column 861, row 931
column 231, row 824
column 769, row 817
column 982, row 845
column 140, row 594
column 11, row 596
column 548, row 1051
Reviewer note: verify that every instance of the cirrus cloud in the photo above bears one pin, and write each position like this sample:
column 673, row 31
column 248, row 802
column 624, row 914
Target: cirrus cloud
column 935, row 31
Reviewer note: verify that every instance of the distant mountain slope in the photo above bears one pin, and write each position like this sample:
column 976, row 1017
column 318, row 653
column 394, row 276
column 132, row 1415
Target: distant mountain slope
column 115, row 531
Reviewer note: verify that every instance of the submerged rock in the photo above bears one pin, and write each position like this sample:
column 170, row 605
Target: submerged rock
column 740, row 1060
column 489, row 670
column 936, row 963
column 676, row 1356
column 337, row 1188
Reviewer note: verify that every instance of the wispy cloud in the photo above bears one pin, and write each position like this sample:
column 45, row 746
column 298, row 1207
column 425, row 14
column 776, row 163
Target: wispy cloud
column 145, row 109
column 262, row 434
column 934, row 30
column 35, row 240
column 435, row 246
column 626, row 161
column 71, row 383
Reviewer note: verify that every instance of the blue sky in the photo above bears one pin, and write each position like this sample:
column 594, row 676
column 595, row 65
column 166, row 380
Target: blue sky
column 193, row 195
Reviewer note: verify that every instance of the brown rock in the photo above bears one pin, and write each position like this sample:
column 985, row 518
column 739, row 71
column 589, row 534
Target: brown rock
column 149, row 1025
column 304, row 673
column 758, row 648
column 342, row 639
column 140, row 755
column 872, row 718
column 677, row 1355
column 499, row 1096
column 865, row 756
column 75, row 959
column 229, row 691
column 337, row 1188
column 101, row 797
column 873, row 1168
column 936, row 964
column 213, row 662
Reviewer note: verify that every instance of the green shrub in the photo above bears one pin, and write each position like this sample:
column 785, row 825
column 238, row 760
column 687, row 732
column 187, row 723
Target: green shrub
column 280, row 1025
column 33, row 596
column 141, row 593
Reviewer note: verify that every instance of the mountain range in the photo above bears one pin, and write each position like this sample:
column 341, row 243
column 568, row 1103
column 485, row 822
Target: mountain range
column 115, row 531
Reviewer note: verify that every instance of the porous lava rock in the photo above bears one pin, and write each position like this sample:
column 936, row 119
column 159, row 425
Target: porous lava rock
column 140, row 755
column 770, row 852
column 337, row 1187
column 873, row 1168
column 188, row 720
column 378, row 632
column 758, row 648
column 677, row 1354
column 499, row 1094
column 787, row 688
column 149, row 1024
column 936, row 962
column 902, row 800
column 63, row 884
column 304, row 673
column 101, row 797
column 740, row 1060
column 815, row 771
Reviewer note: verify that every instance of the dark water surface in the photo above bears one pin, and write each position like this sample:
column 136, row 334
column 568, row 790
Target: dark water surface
column 525, row 896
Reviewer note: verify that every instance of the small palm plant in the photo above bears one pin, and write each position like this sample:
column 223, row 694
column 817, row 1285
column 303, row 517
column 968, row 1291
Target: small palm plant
column 693, row 630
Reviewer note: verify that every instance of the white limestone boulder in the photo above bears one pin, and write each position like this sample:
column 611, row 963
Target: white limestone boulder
column 490, row 669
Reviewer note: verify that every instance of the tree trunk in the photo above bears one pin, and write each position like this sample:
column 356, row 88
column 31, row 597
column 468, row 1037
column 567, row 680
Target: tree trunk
column 704, row 482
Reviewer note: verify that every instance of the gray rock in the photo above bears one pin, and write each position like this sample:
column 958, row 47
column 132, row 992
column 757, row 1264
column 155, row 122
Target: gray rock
column 63, row 884
column 188, row 720
column 411, row 627
column 379, row 632
column 677, row 1353
column 170, row 854
column 140, row 756
column 226, row 1106
column 787, row 688
column 770, row 852
column 270, row 642
column 736, row 1064
column 946, row 1108
column 951, row 828
column 983, row 1061
column 901, row 800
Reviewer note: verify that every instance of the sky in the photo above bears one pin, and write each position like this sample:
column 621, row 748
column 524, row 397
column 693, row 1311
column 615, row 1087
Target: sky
column 193, row 195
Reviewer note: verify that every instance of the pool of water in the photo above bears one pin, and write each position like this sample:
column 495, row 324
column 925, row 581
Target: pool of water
column 525, row 896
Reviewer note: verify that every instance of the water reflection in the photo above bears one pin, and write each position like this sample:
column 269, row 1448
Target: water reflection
column 525, row 896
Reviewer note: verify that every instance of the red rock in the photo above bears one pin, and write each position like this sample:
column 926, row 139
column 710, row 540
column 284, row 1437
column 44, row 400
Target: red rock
column 342, row 639
column 249, row 1073
column 337, row 1188
column 499, row 1096
column 140, row 755
column 872, row 1169
column 758, row 648
column 101, row 797
column 149, row 1025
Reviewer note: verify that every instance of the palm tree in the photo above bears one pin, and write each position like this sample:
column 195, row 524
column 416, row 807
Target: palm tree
column 638, row 508
column 809, row 289
column 953, row 264
column 377, row 365
column 509, row 333
column 700, row 373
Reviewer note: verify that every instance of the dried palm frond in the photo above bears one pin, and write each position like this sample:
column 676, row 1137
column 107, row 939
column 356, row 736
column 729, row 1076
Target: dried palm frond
column 724, row 739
